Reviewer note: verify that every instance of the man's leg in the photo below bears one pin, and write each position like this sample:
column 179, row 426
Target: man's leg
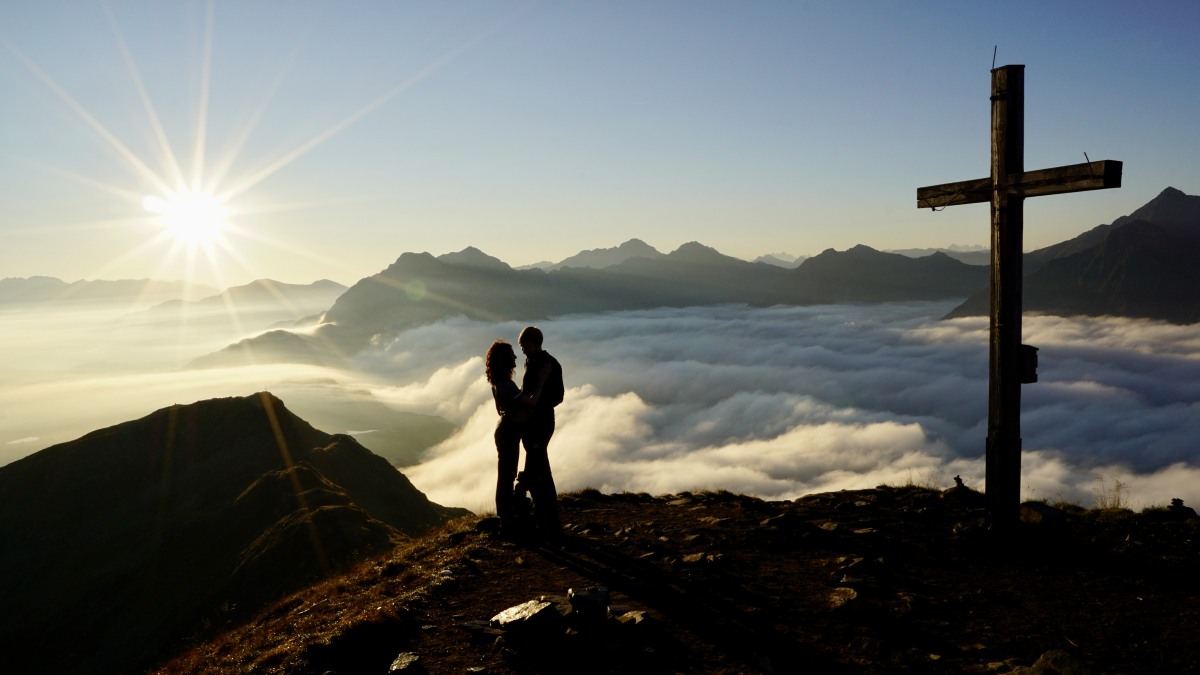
column 541, row 479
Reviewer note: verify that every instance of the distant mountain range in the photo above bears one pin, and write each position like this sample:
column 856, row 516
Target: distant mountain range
column 968, row 254
column 599, row 258
column 157, row 299
column 119, row 545
column 255, row 306
column 1142, row 265
column 420, row 288
column 263, row 293
column 49, row 290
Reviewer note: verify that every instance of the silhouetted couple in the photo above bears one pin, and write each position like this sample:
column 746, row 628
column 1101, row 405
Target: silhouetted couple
column 526, row 416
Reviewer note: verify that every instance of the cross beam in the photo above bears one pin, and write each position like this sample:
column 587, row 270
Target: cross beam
column 1010, row 363
column 1098, row 175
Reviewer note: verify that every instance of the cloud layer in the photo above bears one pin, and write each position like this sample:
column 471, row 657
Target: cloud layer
column 775, row 402
column 784, row 401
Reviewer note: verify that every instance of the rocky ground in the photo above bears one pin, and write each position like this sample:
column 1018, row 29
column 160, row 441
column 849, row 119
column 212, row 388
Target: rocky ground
column 873, row 581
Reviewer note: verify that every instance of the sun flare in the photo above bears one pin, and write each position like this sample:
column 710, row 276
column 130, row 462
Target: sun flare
column 190, row 217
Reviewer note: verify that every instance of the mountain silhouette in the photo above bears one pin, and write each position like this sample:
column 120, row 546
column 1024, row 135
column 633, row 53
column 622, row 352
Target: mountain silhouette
column 53, row 291
column 419, row 289
column 971, row 256
column 607, row 257
column 599, row 258
column 865, row 275
column 265, row 292
column 781, row 260
column 125, row 542
column 259, row 305
column 1142, row 265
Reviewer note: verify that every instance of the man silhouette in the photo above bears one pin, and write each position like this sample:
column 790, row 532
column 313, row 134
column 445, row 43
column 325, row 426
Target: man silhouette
column 543, row 377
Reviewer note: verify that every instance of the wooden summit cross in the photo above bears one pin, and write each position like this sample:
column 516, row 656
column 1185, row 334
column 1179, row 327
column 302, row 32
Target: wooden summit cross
column 1011, row 363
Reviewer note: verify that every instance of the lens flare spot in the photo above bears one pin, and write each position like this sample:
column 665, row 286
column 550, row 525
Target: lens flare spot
column 415, row 290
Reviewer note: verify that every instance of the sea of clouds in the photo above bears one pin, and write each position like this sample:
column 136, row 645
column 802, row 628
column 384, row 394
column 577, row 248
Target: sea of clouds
column 785, row 401
column 774, row 402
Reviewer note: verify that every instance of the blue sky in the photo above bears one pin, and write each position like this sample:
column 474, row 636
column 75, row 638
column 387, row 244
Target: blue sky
column 355, row 131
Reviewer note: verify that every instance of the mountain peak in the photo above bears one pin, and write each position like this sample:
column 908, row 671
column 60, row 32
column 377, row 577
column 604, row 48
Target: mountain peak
column 697, row 252
column 1171, row 210
column 473, row 257
column 228, row 504
column 599, row 258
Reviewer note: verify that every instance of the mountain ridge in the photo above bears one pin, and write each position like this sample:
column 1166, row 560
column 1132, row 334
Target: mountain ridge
column 418, row 289
column 198, row 512
column 1136, row 267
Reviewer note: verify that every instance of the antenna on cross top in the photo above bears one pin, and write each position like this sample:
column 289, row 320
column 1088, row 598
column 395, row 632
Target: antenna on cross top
column 994, row 56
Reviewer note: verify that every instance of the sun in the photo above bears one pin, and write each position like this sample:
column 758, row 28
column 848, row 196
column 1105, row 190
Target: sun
column 191, row 217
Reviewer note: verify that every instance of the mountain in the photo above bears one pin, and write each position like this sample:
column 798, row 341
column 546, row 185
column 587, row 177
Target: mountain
column 255, row 306
column 1142, row 265
column 264, row 293
column 971, row 256
column 877, row 581
column 781, row 260
column 121, row 544
column 599, row 258
column 864, row 275
column 50, row 290
column 473, row 257
column 607, row 257
column 419, row 289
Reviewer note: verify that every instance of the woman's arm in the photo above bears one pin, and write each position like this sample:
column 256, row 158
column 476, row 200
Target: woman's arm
column 507, row 396
column 531, row 397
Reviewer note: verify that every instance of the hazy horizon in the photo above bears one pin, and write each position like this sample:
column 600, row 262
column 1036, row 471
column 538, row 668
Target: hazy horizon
column 774, row 402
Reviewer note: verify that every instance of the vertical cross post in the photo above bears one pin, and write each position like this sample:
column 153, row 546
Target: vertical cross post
column 1011, row 364
column 1004, row 389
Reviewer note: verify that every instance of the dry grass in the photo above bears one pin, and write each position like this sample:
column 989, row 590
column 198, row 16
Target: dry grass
column 732, row 584
column 1111, row 497
column 377, row 593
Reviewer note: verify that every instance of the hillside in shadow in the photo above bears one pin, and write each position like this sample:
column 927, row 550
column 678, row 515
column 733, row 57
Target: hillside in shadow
column 122, row 544
column 1142, row 265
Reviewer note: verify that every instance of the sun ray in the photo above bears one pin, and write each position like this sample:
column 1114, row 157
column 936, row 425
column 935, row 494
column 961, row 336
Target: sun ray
column 82, row 179
column 172, row 163
column 233, row 150
column 205, row 90
column 191, row 205
column 287, row 158
column 120, row 148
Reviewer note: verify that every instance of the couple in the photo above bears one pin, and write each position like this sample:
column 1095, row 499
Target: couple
column 526, row 415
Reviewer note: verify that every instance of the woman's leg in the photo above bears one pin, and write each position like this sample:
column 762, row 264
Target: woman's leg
column 508, row 451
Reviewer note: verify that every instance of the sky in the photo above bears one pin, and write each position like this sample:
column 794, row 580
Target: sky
column 221, row 142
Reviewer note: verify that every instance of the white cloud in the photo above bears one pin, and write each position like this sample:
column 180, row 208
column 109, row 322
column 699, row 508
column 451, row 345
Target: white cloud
column 775, row 402
column 451, row 392
column 784, row 401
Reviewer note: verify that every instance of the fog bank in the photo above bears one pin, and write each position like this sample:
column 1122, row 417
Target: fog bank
column 775, row 402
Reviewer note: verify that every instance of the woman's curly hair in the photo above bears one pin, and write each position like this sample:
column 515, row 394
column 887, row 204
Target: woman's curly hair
column 500, row 362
